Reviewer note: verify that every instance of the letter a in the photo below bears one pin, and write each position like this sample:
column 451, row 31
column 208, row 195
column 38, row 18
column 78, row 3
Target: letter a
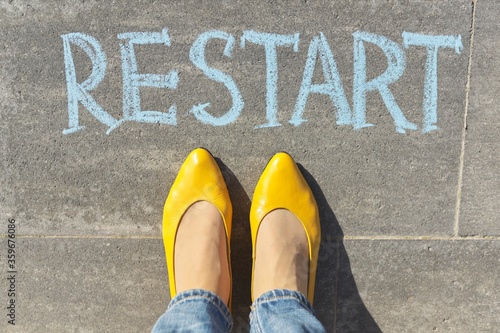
column 332, row 87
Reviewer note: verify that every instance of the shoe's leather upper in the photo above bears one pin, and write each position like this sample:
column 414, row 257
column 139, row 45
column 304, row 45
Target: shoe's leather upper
column 282, row 185
column 199, row 179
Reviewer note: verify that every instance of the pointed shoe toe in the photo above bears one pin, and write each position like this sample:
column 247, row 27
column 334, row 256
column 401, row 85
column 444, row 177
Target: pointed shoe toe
column 199, row 179
column 282, row 185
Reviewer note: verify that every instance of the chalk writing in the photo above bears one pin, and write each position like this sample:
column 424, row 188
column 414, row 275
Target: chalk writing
column 318, row 49
column 132, row 80
column 432, row 43
column 79, row 92
column 197, row 57
column 270, row 42
column 333, row 86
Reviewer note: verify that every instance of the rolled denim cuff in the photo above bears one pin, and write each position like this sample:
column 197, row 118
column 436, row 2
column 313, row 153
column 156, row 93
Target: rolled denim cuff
column 282, row 294
column 204, row 296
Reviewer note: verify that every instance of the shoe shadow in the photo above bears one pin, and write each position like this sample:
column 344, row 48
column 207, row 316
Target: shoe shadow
column 241, row 250
column 337, row 302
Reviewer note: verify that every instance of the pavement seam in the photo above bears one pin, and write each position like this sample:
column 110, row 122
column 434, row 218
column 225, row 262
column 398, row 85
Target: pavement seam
column 456, row 226
column 85, row 236
column 424, row 238
column 341, row 238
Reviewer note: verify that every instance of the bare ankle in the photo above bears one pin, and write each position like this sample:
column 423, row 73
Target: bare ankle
column 282, row 254
column 201, row 260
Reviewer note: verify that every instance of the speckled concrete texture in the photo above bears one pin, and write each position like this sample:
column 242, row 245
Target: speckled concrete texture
column 409, row 220
column 481, row 183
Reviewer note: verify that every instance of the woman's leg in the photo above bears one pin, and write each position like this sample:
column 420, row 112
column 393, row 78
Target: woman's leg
column 195, row 310
column 281, row 277
column 201, row 274
column 283, row 310
column 196, row 233
column 284, row 221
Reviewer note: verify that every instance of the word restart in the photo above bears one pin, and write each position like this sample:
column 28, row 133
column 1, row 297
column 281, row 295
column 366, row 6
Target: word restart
column 80, row 92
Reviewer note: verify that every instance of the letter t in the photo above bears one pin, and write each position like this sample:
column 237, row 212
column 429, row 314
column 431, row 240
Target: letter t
column 432, row 43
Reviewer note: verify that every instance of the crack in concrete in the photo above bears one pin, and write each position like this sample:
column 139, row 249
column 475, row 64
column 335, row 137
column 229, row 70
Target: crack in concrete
column 456, row 226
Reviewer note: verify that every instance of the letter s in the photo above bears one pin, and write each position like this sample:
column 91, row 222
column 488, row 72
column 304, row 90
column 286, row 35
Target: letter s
column 197, row 57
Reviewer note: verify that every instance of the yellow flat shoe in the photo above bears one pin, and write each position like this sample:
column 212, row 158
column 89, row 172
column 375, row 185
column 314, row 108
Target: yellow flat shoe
column 282, row 185
column 199, row 179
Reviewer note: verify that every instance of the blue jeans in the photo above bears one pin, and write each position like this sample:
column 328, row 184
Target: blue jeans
column 277, row 310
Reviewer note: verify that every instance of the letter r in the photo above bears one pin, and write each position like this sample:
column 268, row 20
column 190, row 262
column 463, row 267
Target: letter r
column 396, row 64
column 79, row 92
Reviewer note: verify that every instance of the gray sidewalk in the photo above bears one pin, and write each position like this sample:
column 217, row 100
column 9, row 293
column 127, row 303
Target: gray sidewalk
column 409, row 206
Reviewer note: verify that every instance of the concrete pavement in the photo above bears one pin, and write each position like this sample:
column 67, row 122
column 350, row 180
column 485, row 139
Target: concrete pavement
column 390, row 107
